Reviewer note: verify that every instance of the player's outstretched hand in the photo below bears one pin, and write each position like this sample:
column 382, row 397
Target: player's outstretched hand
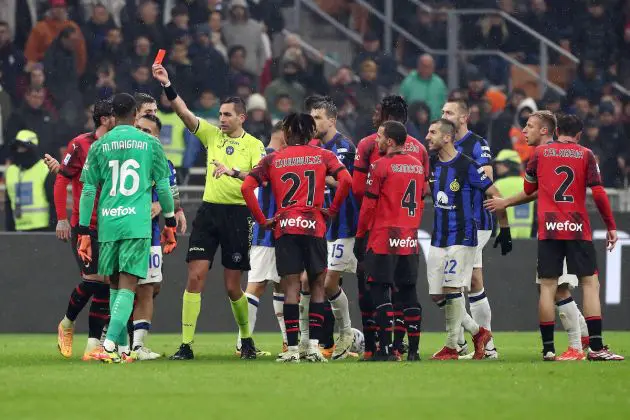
column 495, row 203
column 168, row 239
column 182, row 223
column 84, row 248
column 611, row 239
column 359, row 249
column 505, row 239
column 52, row 163
column 160, row 74
column 63, row 230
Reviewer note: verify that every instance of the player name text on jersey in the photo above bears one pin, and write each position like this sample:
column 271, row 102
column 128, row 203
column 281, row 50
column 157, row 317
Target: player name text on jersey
column 298, row 161
column 125, row 144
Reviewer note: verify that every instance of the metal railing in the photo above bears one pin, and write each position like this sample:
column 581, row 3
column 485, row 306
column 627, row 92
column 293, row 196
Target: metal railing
column 544, row 43
column 452, row 52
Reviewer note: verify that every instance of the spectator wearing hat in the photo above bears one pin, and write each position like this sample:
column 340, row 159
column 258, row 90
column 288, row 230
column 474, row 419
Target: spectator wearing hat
column 614, row 145
column 509, row 180
column 209, row 65
column 258, row 122
column 424, row 85
column 29, row 203
column 387, row 66
column 47, row 30
column 286, row 85
column 239, row 29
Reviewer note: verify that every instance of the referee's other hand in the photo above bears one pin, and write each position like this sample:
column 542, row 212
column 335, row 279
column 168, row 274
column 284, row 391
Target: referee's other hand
column 160, row 74
column 221, row 169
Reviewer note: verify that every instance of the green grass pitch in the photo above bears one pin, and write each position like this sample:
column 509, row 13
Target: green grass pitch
column 37, row 383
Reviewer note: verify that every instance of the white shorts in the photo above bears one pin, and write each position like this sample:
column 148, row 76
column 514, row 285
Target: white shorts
column 262, row 260
column 155, row 267
column 341, row 256
column 449, row 267
column 565, row 278
column 483, row 236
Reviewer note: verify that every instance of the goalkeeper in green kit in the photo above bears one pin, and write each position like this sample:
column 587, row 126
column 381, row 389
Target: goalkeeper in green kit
column 124, row 163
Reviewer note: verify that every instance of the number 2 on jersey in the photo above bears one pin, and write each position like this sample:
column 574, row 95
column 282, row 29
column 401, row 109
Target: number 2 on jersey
column 122, row 172
column 409, row 199
column 295, row 184
column 560, row 196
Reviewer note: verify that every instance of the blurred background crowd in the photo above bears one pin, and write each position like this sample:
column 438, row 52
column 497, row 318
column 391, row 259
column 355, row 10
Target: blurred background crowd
column 58, row 56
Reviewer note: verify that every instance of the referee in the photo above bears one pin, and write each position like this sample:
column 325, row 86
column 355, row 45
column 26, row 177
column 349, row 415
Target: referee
column 223, row 218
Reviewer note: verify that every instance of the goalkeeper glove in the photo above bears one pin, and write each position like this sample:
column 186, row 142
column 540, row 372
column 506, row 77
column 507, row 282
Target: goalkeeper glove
column 505, row 239
column 168, row 238
column 84, row 246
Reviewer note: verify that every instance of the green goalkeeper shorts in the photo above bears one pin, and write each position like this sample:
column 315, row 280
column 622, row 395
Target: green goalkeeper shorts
column 125, row 256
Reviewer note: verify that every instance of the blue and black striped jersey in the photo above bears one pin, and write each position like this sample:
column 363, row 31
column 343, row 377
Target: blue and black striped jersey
column 267, row 203
column 155, row 223
column 453, row 184
column 345, row 224
column 476, row 147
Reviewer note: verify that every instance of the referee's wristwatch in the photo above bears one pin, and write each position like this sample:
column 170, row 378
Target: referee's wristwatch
column 235, row 173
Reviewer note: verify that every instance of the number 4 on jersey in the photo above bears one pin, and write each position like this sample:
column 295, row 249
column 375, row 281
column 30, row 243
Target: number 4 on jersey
column 409, row 199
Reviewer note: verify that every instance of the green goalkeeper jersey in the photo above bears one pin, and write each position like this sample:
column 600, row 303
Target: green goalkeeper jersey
column 125, row 163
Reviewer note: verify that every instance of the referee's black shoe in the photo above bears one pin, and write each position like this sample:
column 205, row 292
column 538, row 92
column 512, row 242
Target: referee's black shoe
column 248, row 349
column 413, row 357
column 184, row 353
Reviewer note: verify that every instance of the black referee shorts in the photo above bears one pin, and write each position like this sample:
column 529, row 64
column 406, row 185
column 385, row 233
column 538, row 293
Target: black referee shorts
column 580, row 255
column 91, row 268
column 227, row 225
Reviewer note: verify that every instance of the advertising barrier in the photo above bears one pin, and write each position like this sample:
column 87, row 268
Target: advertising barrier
column 39, row 272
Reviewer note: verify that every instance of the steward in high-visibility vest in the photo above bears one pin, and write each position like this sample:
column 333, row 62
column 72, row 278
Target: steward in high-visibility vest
column 172, row 133
column 29, row 203
column 509, row 181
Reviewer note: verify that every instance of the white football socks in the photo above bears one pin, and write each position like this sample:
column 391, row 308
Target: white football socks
column 481, row 312
column 140, row 331
column 569, row 316
column 341, row 312
column 305, row 303
column 278, row 308
column 252, row 312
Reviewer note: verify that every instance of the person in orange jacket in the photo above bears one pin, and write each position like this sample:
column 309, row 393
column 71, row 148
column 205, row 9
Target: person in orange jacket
column 45, row 32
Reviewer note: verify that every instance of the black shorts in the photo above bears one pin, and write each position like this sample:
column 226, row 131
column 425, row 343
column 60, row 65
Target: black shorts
column 298, row 253
column 221, row 224
column 89, row 268
column 399, row 270
column 580, row 255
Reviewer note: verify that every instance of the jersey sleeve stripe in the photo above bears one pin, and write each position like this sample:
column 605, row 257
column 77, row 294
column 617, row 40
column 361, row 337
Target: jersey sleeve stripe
column 256, row 177
column 371, row 195
column 358, row 168
column 531, row 179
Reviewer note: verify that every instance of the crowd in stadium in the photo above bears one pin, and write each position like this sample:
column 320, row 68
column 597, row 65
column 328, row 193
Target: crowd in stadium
column 58, row 56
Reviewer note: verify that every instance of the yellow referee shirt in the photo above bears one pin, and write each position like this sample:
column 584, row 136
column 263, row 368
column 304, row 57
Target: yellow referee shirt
column 242, row 153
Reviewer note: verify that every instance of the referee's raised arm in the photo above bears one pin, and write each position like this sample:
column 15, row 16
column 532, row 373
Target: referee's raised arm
column 179, row 106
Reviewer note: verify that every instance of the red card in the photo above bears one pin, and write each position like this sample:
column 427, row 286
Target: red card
column 159, row 57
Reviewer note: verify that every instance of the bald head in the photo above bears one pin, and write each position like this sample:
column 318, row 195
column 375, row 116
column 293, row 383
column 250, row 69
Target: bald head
column 426, row 66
